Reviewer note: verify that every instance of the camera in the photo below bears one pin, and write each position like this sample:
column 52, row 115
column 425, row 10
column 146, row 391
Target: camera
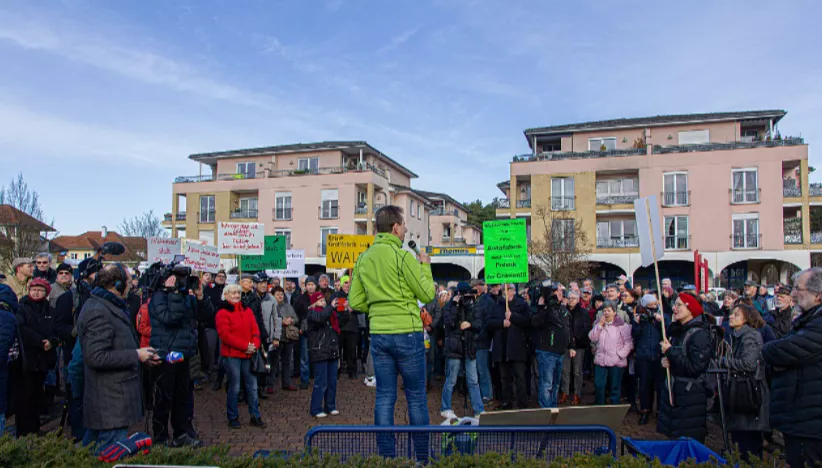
column 155, row 277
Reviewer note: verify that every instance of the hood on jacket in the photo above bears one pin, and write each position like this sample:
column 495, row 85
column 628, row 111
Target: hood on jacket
column 7, row 296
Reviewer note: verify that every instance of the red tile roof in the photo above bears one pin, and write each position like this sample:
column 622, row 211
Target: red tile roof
column 92, row 240
column 11, row 216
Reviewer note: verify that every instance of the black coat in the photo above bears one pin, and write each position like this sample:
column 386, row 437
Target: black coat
column 174, row 322
column 580, row 327
column 461, row 344
column 782, row 321
column 552, row 328
column 323, row 340
column 511, row 344
column 688, row 362
column 252, row 300
column 49, row 275
column 214, row 294
column 647, row 334
column 796, row 383
column 487, row 305
column 35, row 323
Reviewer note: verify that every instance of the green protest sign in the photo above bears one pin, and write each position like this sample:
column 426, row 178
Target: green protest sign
column 273, row 257
column 506, row 251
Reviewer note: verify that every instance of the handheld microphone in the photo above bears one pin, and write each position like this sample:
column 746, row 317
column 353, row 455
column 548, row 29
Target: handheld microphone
column 413, row 246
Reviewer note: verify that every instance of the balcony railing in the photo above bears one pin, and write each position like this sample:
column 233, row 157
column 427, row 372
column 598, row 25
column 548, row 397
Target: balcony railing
column 562, row 203
column 181, row 216
column 677, row 242
column 444, row 212
column 283, row 173
column 793, row 238
column 188, row 179
column 727, row 146
column 675, row 198
column 446, row 239
column 459, row 240
column 616, row 243
column 792, row 228
column 791, row 192
column 744, row 196
column 616, row 199
column 361, row 210
column 242, row 214
column 549, row 156
column 816, row 238
column 746, row 241
column 503, row 203
column 206, row 217
column 281, row 214
column 815, row 189
column 524, row 203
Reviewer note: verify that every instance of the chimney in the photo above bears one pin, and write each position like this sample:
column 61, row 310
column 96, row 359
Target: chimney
column 105, row 232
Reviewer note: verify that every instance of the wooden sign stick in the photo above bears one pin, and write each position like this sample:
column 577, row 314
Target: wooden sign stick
column 659, row 289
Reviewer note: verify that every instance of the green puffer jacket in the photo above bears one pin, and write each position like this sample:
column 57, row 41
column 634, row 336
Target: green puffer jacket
column 386, row 284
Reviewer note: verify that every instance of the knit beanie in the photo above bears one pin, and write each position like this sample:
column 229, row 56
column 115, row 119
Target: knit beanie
column 647, row 299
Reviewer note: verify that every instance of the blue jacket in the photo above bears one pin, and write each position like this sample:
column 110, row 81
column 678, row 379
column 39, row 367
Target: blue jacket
column 485, row 307
column 647, row 335
column 8, row 333
column 174, row 322
column 76, row 371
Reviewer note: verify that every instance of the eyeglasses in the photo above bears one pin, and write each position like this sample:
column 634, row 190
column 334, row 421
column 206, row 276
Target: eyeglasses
column 42, row 263
column 64, row 273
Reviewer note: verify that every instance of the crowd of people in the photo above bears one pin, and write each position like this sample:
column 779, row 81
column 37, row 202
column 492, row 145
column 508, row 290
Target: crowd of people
column 119, row 348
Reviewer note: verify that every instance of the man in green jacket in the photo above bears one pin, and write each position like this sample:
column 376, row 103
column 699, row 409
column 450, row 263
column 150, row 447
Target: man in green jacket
column 387, row 283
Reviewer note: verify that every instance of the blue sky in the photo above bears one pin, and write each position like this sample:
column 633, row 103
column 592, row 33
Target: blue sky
column 101, row 102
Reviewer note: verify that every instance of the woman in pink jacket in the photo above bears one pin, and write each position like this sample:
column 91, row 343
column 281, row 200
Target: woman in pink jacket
column 612, row 337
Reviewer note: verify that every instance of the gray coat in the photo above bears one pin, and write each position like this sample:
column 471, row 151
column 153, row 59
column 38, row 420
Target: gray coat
column 112, row 396
column 746, row 357
column 285, row 310
column 272, row 320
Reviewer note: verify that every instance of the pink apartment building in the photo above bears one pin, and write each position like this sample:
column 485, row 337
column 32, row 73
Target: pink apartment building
column 728, row 184
column 301, row 191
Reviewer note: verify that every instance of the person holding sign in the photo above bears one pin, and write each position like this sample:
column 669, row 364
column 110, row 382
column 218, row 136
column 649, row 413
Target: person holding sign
column 511, row 338
column 387, row 283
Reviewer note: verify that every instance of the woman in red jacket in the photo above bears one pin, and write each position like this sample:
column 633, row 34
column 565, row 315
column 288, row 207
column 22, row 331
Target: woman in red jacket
column 239, row 340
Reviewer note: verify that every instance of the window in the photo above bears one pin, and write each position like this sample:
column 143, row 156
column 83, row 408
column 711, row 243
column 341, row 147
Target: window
column 746, row 231
column 419, row 211
column 617, row 187
column 207, row 208
column 330, row 208
column 595, row 144
column 287, row 234
column 617, row 233
column 744, row 186
column 562, row 193
column 361, row 198
column 676, row 189
column 525, row 192
column 86, row 255
column 73, row 256
column 562, row 235
column 411, row 211
column 324, row 232
column 282, row 206
column 694, row 137
column 207, row 237
column 248, row 208
column 750, row 135
column 247, row 169
column 309, row 164
column 676, row 233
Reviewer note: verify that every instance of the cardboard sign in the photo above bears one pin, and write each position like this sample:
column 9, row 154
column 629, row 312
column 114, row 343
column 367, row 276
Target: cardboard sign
column 294, row 265
column 506, row 251
column 648, row 227
column 342, row 250
column 163, row 249
column 201, row 257
column 273, row 257
column 240, row 238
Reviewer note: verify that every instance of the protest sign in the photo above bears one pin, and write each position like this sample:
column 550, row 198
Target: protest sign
column 295, row 265
column 342, row 250
column 506, row 251
column 201, row 257
column 273, row 257
column 649, row 229
column 240, row 238
column 163, row 249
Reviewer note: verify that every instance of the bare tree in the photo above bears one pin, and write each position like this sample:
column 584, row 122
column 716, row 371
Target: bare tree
column 21, row 240
column 145, row 225
column 562, row 248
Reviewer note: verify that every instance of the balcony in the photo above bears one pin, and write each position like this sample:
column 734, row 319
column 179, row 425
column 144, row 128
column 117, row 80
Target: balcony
column 444, row 212
column 677, row 242
column 562, row 203
column 815, row 189
column 524, row 203
column 281, row 214
column 675, row 198
column 790, row 188
column 616, row 199
column 617, row 243
column 181, row 216
column 816, row 238
column 727, row 146
column 459, row 240
column 549, row 156
column 503, row 203
column 283, row 173
column 792, row 228
column 744, row 196
column 446, row 239
column 243, row 214
column 746, row 242
column 361, row 210
column 206, row 217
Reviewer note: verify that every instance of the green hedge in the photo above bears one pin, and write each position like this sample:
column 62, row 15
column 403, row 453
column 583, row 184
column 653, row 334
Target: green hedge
column 55, row 451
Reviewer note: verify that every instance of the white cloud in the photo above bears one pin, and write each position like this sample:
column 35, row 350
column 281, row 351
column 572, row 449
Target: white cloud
column 398, row 40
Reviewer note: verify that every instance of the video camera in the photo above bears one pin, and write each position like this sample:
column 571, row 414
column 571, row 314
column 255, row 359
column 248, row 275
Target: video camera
column 543, row 288
column 156, row 275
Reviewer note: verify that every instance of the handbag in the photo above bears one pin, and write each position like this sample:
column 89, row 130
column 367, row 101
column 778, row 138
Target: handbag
column 292, row 333
column 744, row 393
column 259, row 364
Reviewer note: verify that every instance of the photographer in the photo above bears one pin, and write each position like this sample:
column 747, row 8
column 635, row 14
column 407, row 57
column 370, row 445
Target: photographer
column 463, row 325
column 646, row 331
column 173, row 313
column 552, row 325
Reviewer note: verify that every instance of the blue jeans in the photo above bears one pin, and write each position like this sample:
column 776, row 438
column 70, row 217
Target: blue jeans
column 484, row 373
column 325, row 387
column 610, row 377
column 234, row 367
column 304, row 363
column 103, row 439
column 550, row 375
column 452, row 371
column 2, row 423
column 402, row 354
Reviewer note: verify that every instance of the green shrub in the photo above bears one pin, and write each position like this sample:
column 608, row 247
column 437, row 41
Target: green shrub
column 56, row 451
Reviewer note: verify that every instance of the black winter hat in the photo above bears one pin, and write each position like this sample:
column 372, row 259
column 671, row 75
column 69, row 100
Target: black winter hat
column 64, row 267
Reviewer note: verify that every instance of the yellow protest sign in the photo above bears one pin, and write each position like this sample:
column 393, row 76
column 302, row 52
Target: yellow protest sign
column 342, row 250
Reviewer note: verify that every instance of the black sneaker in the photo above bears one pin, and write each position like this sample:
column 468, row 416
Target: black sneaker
column 186, row 440
column 303, row 386
column 258, row 422
column 234, row 424
column 261, row 395
column 216, row 385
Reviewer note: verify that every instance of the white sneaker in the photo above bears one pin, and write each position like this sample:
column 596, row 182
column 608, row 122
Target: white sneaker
column 320, row 415
column 335, row 413
column 448, row 414
column 371, row 382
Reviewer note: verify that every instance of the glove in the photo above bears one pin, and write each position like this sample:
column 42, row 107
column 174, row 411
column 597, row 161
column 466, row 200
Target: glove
column 139, row 441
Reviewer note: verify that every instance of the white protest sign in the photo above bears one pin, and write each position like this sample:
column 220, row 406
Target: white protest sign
column 240, row 238
column 295, row 265
column 646, row 227
column 202, row 257
column 163, row 249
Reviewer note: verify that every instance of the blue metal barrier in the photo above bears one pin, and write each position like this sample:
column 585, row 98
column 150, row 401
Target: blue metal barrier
column 431, row 442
